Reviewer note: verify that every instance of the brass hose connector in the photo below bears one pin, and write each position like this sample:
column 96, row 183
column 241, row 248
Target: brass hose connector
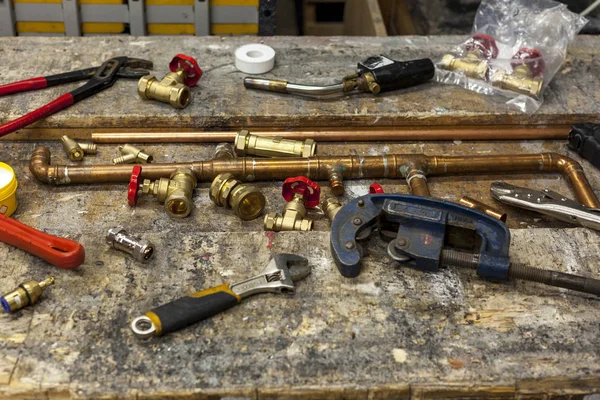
column 75, row 150
column 473, row 67
column 131, row 154
column 170, row 89
column 175, row 192
column 331, row 206
column 292, row 218
column 246, row 200
column 249, row 144
column 27, row 293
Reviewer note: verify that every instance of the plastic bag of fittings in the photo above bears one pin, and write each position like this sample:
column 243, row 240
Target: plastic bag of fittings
column 516, row 48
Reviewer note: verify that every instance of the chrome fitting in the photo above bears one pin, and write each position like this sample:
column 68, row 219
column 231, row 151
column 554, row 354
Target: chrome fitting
column 249, row 144
column 118, row 238
column 132, row 155
column 75, row 151
column 170, row 89
column 176, row 192
column 245, row 199
column 27, row 293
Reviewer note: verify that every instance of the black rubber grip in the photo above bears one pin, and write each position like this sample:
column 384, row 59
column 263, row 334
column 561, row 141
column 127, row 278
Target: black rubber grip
column 189, row 310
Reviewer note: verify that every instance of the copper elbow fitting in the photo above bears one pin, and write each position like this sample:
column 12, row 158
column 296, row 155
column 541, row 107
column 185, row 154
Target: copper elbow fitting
column 170, row 89
column 246, row 200
column 175, row 192
column 249, row 144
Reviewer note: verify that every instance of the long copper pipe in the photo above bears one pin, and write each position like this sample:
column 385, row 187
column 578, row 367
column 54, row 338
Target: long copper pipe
column 354, row 135
column 414, row 168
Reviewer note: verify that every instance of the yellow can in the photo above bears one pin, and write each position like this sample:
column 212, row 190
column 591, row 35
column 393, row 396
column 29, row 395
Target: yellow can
column 8, row 190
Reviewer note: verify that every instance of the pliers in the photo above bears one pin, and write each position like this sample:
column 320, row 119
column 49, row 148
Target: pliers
column 100, row 78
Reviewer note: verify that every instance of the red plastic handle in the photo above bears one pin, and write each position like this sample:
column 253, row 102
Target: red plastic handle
column 189, row 65
column 134, row 185
column 23, row 86
column 60, row 252
column 375, row 188
column 307, row 188
column 55, row 106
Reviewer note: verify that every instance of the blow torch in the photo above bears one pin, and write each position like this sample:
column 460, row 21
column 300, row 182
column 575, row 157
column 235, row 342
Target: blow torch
column 375, row 75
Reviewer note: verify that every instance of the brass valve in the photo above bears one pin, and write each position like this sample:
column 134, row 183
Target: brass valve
column 173, row 88
column 27, row 293
column 175, row 192
column 480, row 48
column 526, row 78
column 301, row 193
column 246, row 200
column 131, row 154
column 331, row 207
column 76, row 150
column 249, row 144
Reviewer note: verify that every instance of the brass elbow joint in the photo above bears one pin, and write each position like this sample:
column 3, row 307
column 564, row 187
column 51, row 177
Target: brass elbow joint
column 175, row 192
column 131, row 154
column 25, row 294
column 472, row 67
column 170, row 89
column 249, row 144
column 75, row 151
column 246, row 200
column 292, row 218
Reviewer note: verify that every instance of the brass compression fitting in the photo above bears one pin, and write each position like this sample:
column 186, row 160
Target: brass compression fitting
column 249, row 144
column 75, row 150
column 245, row 199
column 173, row 88
column 176, row 192
column 25, row 294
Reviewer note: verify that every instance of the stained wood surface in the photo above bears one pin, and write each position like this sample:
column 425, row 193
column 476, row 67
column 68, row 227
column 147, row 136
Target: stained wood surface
column 221, row 102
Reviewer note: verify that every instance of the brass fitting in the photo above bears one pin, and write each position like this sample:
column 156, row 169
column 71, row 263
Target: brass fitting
column 131, row 154
column 224, row 151
column 170, row 89
column 484, row 208
column 471, row 65
column 25, row 294
column 331, row 207
column 520, row 81
column 76, row 150
column 175, row 192
column 246, row 200
column 336, row 183
column 292, row 218
column 249, row 144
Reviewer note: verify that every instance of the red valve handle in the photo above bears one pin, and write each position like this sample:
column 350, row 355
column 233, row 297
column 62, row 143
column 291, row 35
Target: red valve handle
column 190, row 67
column 532, row 58
column 483, row 43
column 307, row 188
column 60, row 252
column 375, row 188
column 134, row 185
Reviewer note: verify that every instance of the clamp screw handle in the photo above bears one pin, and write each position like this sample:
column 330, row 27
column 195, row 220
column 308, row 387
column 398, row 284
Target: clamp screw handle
column 375, row 188
column 189, row 66
column 134, row 185
column 304, row 186
column 530, row 58
column 484, row 44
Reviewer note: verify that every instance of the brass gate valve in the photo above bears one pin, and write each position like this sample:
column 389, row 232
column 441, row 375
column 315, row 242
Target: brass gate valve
column 174, row 87
column 528, row 67
column 175, row 192
column 245, row 199
column 300, row 193
column 480, row 48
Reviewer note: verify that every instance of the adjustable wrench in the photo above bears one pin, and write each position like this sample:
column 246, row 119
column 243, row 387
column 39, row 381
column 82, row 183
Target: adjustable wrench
column 278, row 277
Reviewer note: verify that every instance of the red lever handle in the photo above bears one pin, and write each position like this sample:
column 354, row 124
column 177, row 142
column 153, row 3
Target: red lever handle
column 307, row 188
column 60, row 252
column 134, row 185
column 375, row 188
column 190, row 67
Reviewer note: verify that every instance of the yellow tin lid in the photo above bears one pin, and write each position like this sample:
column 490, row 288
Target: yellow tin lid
column 8, row 181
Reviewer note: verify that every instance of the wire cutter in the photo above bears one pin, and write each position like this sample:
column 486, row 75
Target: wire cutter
column 100, row 78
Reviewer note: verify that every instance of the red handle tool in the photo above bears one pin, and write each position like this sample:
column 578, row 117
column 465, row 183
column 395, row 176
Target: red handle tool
column 60, row 252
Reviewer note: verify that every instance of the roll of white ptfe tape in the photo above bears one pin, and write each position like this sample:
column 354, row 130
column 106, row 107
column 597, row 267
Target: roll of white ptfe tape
column 254, row 58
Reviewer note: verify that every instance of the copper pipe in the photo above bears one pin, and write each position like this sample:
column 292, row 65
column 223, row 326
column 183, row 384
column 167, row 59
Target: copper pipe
column 355, row 135
column 412, row 167
column 478, row 205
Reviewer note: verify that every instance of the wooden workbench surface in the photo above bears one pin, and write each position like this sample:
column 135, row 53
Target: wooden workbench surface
column 391, row 333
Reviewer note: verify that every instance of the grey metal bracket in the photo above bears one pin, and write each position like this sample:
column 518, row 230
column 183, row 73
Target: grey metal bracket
column 7, row 18
column 202, row 17
column 71, row 17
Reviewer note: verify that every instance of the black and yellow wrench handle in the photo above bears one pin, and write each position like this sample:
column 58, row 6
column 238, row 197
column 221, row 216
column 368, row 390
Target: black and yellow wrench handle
column 191, row 309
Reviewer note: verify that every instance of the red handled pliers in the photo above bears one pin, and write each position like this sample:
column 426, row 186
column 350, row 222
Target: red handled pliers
column 100, row 78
